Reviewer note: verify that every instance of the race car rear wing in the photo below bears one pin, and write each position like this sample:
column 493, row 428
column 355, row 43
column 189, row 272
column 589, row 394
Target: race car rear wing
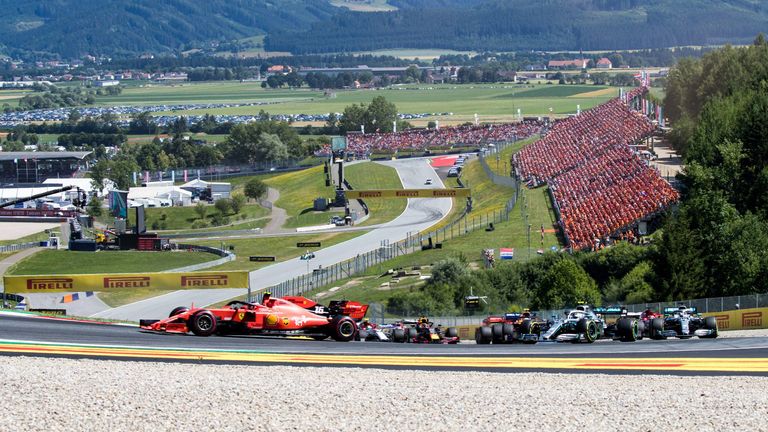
column 352, row 309
column 671, row 310
column 610, row 310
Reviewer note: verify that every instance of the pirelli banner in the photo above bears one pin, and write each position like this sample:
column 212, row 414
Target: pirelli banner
column 407, row 193
column 741, row 319
column 127, row 281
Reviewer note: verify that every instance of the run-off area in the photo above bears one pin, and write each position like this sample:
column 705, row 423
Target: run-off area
column 68, row 394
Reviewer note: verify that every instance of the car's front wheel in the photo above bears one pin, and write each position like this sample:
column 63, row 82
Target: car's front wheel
column 202, row 323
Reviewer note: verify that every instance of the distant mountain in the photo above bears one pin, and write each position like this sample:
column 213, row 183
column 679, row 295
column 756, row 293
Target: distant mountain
column 76, row 27
column 73, row 28
column 508, row 25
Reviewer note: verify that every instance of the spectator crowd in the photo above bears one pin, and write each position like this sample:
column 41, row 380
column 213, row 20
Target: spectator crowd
column 363, row 145
column 600, row 186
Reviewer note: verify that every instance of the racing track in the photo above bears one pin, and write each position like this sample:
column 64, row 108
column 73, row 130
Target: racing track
column 23, row 335
column 420, row 214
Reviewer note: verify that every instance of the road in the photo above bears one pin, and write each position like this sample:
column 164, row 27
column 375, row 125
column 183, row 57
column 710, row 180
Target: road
column 420, row 213
column 24, row 335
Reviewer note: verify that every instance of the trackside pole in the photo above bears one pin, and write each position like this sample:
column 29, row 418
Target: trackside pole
column 249, row 289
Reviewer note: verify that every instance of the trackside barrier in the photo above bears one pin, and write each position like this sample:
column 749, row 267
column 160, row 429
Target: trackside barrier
column 19, row 246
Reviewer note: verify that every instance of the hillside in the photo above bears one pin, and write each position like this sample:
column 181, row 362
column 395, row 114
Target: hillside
column 506, row 25
column 72, row 28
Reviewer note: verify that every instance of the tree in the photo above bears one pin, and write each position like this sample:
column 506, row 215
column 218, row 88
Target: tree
column 223, row 205
column 201, row 210
column 237, row 203
column 565, row 284
column 94, row 207
column 448, row 271
column 255, row 189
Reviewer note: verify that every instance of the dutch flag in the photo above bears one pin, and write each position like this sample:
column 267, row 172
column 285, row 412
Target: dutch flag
column 506, row 253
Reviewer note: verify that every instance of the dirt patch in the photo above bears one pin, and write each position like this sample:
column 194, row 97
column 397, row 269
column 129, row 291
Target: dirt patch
column 595, row 93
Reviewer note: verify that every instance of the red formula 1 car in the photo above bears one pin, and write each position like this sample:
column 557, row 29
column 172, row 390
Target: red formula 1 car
column 287, row 316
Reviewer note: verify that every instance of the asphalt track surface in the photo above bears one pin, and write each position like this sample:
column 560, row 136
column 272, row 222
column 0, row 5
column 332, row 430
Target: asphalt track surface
column 420, row 214
column 24, row 335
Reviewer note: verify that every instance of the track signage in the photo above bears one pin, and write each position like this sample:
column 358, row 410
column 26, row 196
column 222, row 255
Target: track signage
column 262, row 258
column 408, row 193
column 308, row 244
column 129, row 281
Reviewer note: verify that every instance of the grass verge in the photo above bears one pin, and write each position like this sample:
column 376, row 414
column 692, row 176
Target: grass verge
column 50, row 262
column 370, row 175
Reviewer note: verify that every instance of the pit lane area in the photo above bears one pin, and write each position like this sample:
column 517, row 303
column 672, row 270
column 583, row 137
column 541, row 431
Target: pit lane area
column 22, row 335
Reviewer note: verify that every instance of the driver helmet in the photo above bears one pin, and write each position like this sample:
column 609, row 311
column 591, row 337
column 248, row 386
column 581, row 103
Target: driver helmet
column 265, row 297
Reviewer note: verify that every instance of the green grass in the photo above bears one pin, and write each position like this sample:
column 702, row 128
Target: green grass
column 282, row 248
column 49, row 262
column 298, row 190
column 370, row 175
column 494, row 102
column 498, row 166
column 180, row 218
column 208, row 92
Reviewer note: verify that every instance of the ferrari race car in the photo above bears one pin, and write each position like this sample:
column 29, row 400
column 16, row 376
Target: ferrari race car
column 287, row 316
column 580, row 325
column 684, row 323
column 510, row 328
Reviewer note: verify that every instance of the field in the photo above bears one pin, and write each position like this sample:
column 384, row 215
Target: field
column 416, row 53
column 298, row 190
column 282, row 248
column 178, row 218
column 369, row 175
column 208, row 92
column 68, row 262
column 492, row 102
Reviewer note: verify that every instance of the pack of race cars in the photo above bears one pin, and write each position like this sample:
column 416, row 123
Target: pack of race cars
column 345, row 321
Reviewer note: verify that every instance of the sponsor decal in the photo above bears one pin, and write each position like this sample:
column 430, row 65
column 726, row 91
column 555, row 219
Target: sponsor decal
column 286, row 321
column 444, row 193
column 407, row 193
column 204, row 281
column 723, row 321
column 299, row 321
column 240, row 315
column 752, row 320
column 50, row 284
column 308, row 244
column 370, row 194
column 271, row 320
column 127, row 282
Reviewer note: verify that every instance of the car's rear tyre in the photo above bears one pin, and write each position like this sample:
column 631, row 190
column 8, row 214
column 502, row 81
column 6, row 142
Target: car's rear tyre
column 411, row 333
column 398, row 335
column 657, row 327
column 178, row 310
column 508, row 330
column 497, row 330
column 627, row 329
column 344, row 329
column 640, row 329
column 202, row 323
column 451, row 332
column 710, row 323
column 483, row 335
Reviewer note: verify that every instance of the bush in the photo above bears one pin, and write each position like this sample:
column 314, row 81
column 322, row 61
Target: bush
column 223, row 205
column 255, row 189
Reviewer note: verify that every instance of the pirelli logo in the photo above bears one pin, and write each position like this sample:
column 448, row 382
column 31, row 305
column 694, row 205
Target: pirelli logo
column 444, row 193
column 407, row 193
column 127, row 282
column 752, row 319
column 723, row 322
column 367, row 194
column 50, row 284
column 205, row 281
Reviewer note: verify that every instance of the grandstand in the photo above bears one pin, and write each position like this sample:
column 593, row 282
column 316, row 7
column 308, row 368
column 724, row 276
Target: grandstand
column 599, row 186
column 363, row 145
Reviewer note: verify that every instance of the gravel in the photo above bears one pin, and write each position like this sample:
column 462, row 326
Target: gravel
column 76, row 395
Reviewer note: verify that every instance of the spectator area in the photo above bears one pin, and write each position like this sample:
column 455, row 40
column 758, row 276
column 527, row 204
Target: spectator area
column 600, row 187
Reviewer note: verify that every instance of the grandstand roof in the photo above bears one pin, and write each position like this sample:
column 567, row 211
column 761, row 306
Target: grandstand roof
column 6, row 156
